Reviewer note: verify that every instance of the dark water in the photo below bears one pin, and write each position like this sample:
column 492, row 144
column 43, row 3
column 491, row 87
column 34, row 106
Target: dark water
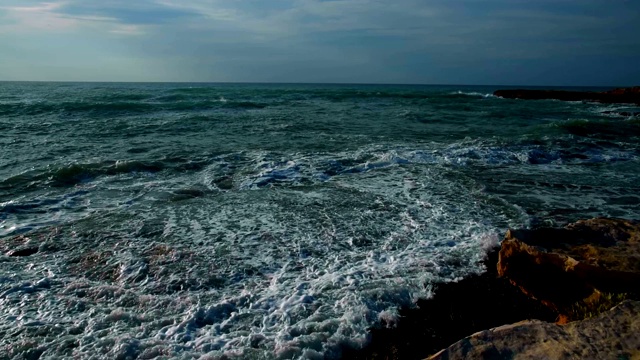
column 175, row 220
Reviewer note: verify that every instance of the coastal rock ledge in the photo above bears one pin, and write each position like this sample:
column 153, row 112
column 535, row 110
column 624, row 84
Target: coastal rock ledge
column 580, row 272
column 622, row 95
column 614, row 334
column 581, row 266
column 581, row 284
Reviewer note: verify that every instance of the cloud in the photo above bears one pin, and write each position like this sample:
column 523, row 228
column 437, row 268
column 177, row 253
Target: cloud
column 337, row 40
column 33, row 16
column 140, row 12
column 114, row 16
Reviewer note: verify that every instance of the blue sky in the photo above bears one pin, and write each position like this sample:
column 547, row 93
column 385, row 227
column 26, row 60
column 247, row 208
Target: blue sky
column 541, row 42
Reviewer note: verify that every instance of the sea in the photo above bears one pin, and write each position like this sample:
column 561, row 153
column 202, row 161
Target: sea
column 274, row 221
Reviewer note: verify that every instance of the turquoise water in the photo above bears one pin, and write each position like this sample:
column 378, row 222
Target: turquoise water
column 262, row 221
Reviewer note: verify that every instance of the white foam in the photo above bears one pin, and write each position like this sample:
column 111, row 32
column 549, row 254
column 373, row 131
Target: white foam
column 297, row 258
column 474, row 94
column 284, row 270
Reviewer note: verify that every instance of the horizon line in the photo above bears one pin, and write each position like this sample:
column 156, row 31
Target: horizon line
column 303, row 83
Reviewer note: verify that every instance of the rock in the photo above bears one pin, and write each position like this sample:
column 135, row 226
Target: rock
column 579, row 272
column 614, row 334
column 26, row 251
column 621, row 95
column 578, row 263
column 457, row 309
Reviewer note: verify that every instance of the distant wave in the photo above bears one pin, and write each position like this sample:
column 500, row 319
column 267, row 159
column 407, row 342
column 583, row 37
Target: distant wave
column 169, row 103
column 299, row 171
column 344, row 95
column 72, row 174
column 472, row 94
column 601, row 128
column 38, row 108
column 242, row 105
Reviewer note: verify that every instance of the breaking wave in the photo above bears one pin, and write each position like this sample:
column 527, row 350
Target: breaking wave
column 272, row 221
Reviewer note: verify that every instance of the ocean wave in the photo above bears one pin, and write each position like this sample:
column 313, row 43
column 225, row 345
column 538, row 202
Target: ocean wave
column 285, row 275
column 242, row 105
column 121, row 97
column 260, row 170
column 251, row 171
column 460, row 93
column 302, row 171
column 351, row 94
column 100, row 109
column 298, row 254
column 72, row 174
column 616, row 111
column 601, row 128
column 170, row 98
column 272, row 221
column 96, row 108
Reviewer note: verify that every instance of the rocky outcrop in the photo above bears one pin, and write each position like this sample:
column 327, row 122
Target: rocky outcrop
column 458, row 309
column 566, row 278
column 27, row 251
column 580, row 271
column 621, row 95
column 563, row 267
column 614, row 334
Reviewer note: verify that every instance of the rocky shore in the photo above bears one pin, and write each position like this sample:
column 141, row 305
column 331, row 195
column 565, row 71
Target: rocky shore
column 621, row 95
column 557, row 293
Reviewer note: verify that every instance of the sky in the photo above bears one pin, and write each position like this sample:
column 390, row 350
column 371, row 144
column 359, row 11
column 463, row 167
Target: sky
column 475, row 42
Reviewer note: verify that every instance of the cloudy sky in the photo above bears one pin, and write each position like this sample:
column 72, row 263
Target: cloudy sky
column 536, row 42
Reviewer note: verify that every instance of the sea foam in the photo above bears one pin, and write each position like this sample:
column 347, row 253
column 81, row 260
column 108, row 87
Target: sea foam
column 298, row 273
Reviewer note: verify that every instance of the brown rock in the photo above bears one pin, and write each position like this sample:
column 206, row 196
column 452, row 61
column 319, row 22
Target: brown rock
column 458, row 309
column 561, row 267
column 612, row 335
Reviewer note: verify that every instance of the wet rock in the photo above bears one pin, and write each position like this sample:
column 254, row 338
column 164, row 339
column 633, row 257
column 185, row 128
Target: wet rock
column 458, row 309
column 26, row 251
column 621, row 95
column 578, row 263
column 612, row 335
column 593, row 263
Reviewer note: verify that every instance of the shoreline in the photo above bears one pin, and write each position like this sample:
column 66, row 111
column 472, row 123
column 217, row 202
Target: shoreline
column 557, row 283
column 457, row 309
